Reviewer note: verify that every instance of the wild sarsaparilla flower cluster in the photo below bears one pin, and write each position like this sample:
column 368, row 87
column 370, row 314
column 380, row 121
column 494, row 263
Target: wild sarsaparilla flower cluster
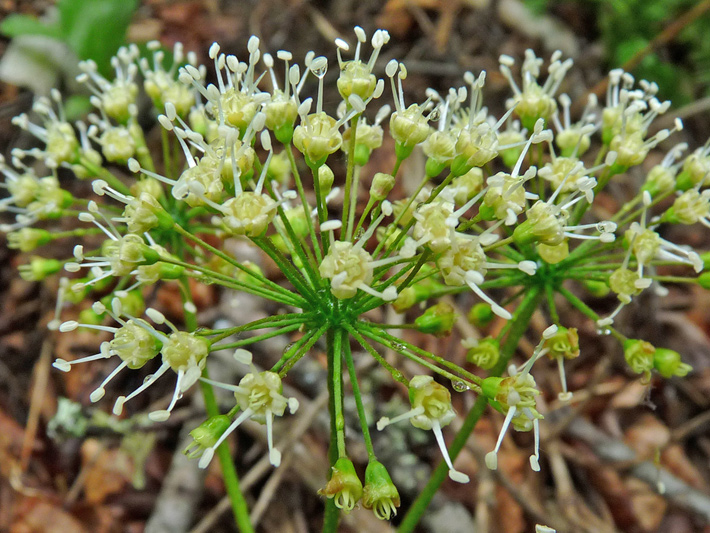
column 504, row 208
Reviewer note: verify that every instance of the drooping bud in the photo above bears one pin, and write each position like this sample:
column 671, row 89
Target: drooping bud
column 485, row 353
column 668, row 363
column 344, row 487
column 481, row 315
column 379, row 493
column 206, row 435
column 639, row 355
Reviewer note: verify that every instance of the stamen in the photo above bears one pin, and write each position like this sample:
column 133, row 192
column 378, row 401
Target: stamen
column 454, row 474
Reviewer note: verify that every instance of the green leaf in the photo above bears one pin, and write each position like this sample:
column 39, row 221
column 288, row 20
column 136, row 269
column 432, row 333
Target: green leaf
column 95, row 29
column 16, row 25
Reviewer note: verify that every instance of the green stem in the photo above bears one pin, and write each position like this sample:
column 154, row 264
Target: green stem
column 382, row 336
column 349, row 176
column 406, row 349
column 397, row 164
column 304, row 202
column 105, row 175
column 332, row 513
column 293, row 275
column 226, row 281
column 353, row 203
column 550, row 294
column 167, row 159
column 337, row 362
column 396, row 374
column 358, row 398
column 370, row 204
column 331, row 518
column 301, row 348
column 229, row 259
column 251, row 340
column 520, row 322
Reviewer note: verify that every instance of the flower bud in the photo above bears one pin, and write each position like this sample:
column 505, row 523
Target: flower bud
column 474, row 148
column 145, row 213
column 695, row 170
column 62, row 144
column 598, row 289
column 379, row 493
column 623, row 282
column 660, row 179
column 639, row 355
column 206, row 435
column 437, row 320
column 481, row 315
column 564, row 343
column 152, row 273
column 28, row 239
column 281, row 114
column 325, row 179
column 248, row 214
column 317, row 137
column 406, row 298
column 668, row 363
column 132, row 302
column 439, row 147
column 40, row 268
column 467, row 186
column 408, row 128
column 183, row 350
column 553, row 253
column 434, row 399
column 117, row 145
column 344, row 486
column 689, row 208
column 356, row 78
column 381, row 186
column 485, row 354
column 347, row 267
column 540, row 226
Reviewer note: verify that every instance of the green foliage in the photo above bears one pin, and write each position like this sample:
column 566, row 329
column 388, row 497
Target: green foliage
column 627, row 26
column 93, row 29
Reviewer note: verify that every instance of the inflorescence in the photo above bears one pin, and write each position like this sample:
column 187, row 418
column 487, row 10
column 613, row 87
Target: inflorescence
column 504, row 208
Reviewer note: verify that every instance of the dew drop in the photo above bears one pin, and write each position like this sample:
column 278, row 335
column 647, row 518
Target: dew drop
column 288, row 347
column 459, row 386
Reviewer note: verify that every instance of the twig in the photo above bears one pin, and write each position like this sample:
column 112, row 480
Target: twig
column 39, row 389
column 181, row 491
column 269, row 489
column 610, row 449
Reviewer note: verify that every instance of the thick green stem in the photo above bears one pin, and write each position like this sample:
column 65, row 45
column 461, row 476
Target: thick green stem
column 520, row 322
column 332, row 513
